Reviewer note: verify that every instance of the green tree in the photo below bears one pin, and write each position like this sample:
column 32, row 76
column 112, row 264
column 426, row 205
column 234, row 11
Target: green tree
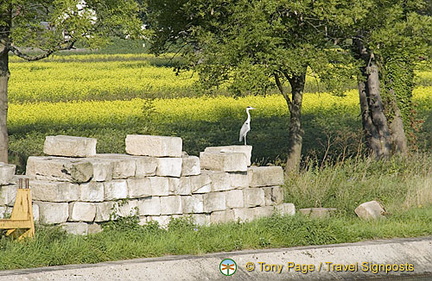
column 49, row 26
column 254, row 46
column 389, row 40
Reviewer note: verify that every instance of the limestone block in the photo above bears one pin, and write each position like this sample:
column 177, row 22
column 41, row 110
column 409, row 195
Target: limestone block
column 8, row 194
column 171, row 205
column 92, row 191
column 185, row 186
column 149, row 206
column 7, row 172
column 174, row 185
column 234, row 199
column 190, row 166
column 124, row 166
column 261, row 212
column 128, row 208
column 70, row 146
column 82, row 211
column 253, row 197
column 285, row 209
column 158, row 146
column 76, row 228
column 222, row 216
column 160, row 186
column 52, row 213
column 102, row 169
column 219, row 180
column 169, row 167
column 163, row 221
column 214, row 201
column 239, row 180
column 201, row 219
column 193, row 204
column 54, row 191
column 59, row 169
column 317, row 212
column 116, row 189
column 249, row 214
column 273, row 195
column 36, row 214
column 94, row 228
column 201, row 183
column 228, row 162
column 5, row 212
column 244, row 214
column 145, row 166
column 105, row 211
column 370, row 210
column 246, row 149
column 265, row 176
column 139, row 187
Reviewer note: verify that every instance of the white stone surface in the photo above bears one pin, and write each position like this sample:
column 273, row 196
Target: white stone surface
column 139, row 187
column 51, row 191
column 70, row 146
column 227, row 162
column 265, row 176
column 370, row 210
column 200, row 184
column 285, row 209
column 104, row 211
column 76, row 228
column 52, row 213
column 193, row 204
column 59, row 169
column 82, row 211
column 7, row 172
column 239, row 180
column 36, row 213
column 102, row 169
column 244, row 214
column 160, row 186
column 190, row 166
column 169, row 167
column 201, row 219
column 158, row 146
column 273, row 195
column 128, row 208
column 246, row 149
column 185, row 186
column 219, row 180
column 145, row 166
column 214, row 201
column 222, row 216
column 234, row 199
column 92, row 191
column 149, row 206
column 171, row 205
column 116, row 189
column 253, row 197
column 8, row 194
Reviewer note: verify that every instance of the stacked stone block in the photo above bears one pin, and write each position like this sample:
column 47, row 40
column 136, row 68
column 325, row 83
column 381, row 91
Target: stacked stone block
column 80, row 189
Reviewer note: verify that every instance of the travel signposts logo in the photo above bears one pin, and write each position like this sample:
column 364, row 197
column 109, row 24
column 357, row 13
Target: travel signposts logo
column 228, row 267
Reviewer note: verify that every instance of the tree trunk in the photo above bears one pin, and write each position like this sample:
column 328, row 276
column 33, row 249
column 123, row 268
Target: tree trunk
column 5, row 15
column 295, row 127
column 374, row 121
column 397, row 131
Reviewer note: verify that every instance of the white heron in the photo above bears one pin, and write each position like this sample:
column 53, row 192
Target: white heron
column 246, row 126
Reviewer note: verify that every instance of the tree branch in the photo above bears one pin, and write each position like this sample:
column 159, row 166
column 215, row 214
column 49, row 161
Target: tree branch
column 47, row 53
column 280, row 87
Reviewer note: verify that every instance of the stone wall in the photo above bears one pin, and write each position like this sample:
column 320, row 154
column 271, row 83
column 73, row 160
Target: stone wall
column 79, row 189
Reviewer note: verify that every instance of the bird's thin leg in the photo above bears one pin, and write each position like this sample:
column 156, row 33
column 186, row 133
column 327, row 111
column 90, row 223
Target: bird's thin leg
column 245, row 139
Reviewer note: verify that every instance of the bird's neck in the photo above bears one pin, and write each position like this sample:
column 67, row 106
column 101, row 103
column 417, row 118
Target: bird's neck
column 248, row 114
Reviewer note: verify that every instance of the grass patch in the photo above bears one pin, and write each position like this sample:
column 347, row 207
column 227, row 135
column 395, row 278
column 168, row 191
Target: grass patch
column 54, row 247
